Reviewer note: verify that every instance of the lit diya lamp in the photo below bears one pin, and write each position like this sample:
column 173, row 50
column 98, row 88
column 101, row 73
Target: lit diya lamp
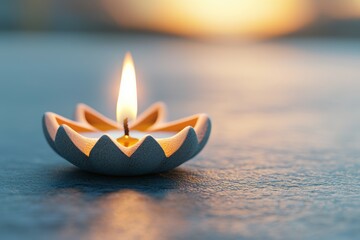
column 131, row 146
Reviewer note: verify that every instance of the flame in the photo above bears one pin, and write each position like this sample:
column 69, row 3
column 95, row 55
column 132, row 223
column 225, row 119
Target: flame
column 127, row 100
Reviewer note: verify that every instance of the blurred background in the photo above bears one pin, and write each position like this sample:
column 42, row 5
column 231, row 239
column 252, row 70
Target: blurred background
column 279, row 79
column 201, row 18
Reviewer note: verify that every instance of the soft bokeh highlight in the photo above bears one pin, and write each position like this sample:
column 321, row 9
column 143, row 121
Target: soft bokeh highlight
column 252, row 18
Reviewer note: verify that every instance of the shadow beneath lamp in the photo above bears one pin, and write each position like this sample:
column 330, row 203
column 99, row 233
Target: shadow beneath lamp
column 95, row 185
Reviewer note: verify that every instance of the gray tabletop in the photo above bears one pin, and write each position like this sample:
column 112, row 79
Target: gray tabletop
column 283, row 160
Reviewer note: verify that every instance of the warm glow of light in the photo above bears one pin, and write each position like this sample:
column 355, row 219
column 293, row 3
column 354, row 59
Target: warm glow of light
column 127, row 100
column 213, row 18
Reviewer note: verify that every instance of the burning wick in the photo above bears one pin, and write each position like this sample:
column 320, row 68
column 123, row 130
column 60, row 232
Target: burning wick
column 126, row 108
column 126, row 140
column 126, row 127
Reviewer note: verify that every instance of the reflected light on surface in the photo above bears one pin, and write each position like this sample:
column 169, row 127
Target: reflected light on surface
column 132, row 215
column 202, row 18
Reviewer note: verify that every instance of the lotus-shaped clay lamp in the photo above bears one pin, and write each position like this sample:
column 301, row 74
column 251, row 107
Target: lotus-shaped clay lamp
column 90, row 141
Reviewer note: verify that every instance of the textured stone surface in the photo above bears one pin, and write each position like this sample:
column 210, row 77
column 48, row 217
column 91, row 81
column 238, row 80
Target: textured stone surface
column 283, row 161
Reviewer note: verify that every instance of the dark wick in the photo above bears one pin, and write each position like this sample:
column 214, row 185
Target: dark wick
column 126, row 127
